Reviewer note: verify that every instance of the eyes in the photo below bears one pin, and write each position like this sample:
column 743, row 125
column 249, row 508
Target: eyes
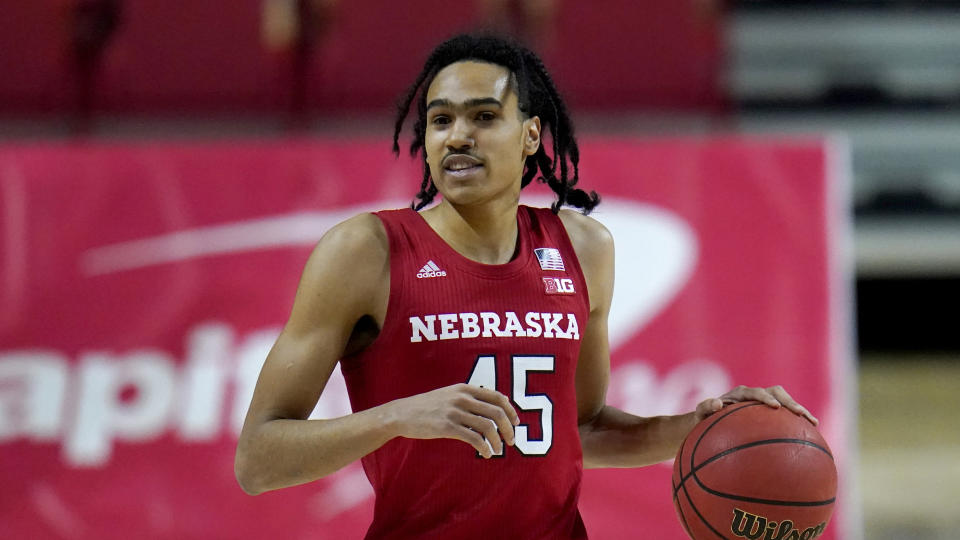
column 482, row 117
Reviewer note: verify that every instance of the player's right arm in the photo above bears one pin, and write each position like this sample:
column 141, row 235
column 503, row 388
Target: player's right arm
column 345, row 280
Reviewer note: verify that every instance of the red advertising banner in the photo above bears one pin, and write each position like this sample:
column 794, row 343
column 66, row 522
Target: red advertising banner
column 143, row 284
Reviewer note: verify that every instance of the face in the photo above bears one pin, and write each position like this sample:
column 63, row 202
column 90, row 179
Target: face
column 476, row 137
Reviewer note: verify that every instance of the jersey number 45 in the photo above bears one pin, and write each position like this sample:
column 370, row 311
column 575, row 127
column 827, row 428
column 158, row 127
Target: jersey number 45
column 485, row 374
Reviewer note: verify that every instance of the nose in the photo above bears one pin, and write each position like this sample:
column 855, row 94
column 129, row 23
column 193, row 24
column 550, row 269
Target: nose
column 460, row 135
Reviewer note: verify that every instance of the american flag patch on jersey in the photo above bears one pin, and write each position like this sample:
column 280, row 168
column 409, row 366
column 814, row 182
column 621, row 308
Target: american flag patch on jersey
column 550, row 259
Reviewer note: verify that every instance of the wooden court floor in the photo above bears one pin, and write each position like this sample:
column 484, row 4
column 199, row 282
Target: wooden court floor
column 909, row 415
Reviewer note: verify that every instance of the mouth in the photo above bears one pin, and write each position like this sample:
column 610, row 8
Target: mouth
column 461, row 165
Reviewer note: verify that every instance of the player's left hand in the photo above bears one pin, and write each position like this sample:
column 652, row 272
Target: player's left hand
column 774, row 396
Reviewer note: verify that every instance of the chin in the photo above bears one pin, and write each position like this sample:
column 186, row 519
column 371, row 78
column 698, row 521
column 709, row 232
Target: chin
column 462, row 198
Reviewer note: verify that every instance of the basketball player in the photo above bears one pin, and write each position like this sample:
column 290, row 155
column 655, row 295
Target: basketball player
column 472, row 335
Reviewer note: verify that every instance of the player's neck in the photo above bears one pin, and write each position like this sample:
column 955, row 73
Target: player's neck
column 483, row 233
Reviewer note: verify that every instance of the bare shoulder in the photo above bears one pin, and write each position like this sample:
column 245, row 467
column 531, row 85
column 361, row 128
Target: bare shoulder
column 589, row 237
column 593, row 245
column 347, row 272
column 358, row 241
column 361, row 231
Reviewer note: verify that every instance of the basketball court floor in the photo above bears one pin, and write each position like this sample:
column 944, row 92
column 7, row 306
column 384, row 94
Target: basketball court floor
column 910, row 446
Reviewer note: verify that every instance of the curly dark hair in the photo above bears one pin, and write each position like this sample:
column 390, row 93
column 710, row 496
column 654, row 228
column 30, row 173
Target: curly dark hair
column 537, row 96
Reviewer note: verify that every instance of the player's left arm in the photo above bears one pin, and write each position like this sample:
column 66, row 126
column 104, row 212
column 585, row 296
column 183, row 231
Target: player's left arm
column 611, row 437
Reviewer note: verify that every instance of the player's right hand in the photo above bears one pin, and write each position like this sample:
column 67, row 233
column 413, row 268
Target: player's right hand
column 462, row 411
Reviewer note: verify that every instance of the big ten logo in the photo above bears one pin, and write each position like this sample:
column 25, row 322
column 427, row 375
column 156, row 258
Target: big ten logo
column 553, row 285
column 101, row 397
column 636, row 387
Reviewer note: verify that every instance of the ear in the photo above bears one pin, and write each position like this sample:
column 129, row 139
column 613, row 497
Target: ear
column 531, row 135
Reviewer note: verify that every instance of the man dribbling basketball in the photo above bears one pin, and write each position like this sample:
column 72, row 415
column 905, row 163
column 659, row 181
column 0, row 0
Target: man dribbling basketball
column 472, row 335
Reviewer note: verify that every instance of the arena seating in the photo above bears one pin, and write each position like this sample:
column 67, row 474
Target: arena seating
column 199, row 57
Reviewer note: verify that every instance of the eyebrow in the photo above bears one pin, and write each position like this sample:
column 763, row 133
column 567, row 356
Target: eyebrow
column 466, row 104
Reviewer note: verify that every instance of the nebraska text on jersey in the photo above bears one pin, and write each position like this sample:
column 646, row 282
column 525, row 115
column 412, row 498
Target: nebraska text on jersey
column 489, row 324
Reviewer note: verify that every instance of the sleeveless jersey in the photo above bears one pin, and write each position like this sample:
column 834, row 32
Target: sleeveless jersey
column 514, row 327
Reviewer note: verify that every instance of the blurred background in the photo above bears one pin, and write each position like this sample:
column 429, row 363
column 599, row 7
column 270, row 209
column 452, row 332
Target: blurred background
column 885, row 74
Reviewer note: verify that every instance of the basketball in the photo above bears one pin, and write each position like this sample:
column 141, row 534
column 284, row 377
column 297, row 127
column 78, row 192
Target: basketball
column 752, row 471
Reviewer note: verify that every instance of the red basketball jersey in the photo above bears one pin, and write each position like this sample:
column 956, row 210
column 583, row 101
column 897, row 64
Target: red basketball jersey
column 515, row 327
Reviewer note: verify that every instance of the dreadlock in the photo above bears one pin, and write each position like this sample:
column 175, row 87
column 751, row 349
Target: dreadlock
column 537, row 96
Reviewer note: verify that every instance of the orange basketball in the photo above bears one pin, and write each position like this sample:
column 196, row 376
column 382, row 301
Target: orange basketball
column 752, row 471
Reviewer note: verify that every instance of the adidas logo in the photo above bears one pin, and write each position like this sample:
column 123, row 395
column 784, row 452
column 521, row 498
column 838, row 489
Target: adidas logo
column 430, row 270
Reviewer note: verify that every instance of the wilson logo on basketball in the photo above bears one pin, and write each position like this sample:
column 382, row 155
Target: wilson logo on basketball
column 754, row 527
